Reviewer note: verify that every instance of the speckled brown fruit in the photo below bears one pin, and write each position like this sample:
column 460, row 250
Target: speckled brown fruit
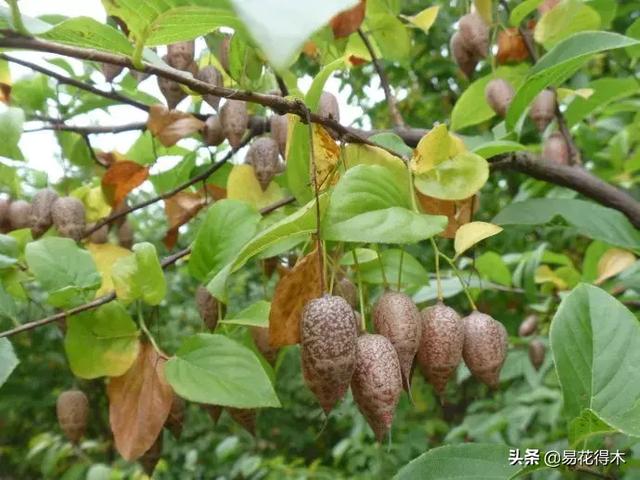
column 245, row 417
column 279, row 125
column 212, row 76
column 441, row 345
column 111, row 71
column 536, row 353
column 499, row 94
column 396, row 317
column 41, row 219
column 125, row 235
column 5, row 224
column 475, row 34
column 264, row 156
column 376, row 382
column 328, row 348
column 175, row 420
column 19, row 214
column 99, row 236
column 485, row 347
column 260, row 337
column 234, row 118
column 543, row 109
column 328, row 106
column 465, row 59
column 556, row 149
column 212, row 132
column 151, row 457
column 347, row 290
column 180, row 55
column 528, row 326
column 207, row 307
column 68, row 217
column 72, row 408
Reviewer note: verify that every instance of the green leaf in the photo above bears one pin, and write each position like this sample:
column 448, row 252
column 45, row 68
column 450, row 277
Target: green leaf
column 64, row 270
column 393, row 142
column 372, row 203
column 605, row 91
column 103, row 342
column 228, row 225
column 521, row 10
column 280, row 27
column 592, row 220
column 88, row 33
column 8, row 360
column 585, row 426
column 11, row 123
column 413, row 273
column 565, row 19
column 634, row 32
column 256, row 315
column 469, row 461
column 139, row 276
column 497, row 147
column 596, row 348
column 9, row 251
column 75, row 148
column 472, row 107
column 454, row 179
column 560, row 63
column 491, row 265
column 146, row 149
column 391, row 36
column 363, row 255
column 216, row 370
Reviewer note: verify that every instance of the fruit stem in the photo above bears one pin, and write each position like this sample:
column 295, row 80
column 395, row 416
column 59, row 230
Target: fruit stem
column 436, row 253
column 384, row 275
column 462, row 282
column 360, row 294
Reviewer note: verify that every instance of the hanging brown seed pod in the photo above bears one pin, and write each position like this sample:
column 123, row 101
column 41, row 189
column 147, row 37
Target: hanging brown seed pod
column 214, row 411
column 111, row 71
column 5, row 222
column 19, row 214
column 234, row 117
column 328, row 106
column 376, row 382
column 328, row 348
column 68, row 217
column 260, row 337
column 556, row 149
column 207, row 306
column 212, row 131
column 543, row 109
column 475, row 34
column 72, row 408
column 171, row 90
column 151, row 457
column 396, row 317
column 175, row 420
column 125, row 235
column 528, row 326
column 99, row 236
column 347, row 290
column 536, row 353
column 245, row 417
column 212, row 76
column 264, row 156
column 499, row 94
column 41, row 219
column 180, row 55
column 465, row 59
column 485, row 347
column 441, row 345
column 279, row 126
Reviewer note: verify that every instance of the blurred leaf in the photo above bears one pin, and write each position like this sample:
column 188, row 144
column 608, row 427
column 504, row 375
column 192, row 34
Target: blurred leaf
column 121, row 178
column 87, row 32
column 105, row 256
column 425, row 18
column 243, row 185
column 568, row 17
column 413, row 273
column 11, row 123
column 613, row 262
column 255, row 315
column 180, row 209
column 485, row 9
column 8, row 360
column 491, row 265
column 471, row 233
column 521, row 10
column 171, row 126
column 498, row 147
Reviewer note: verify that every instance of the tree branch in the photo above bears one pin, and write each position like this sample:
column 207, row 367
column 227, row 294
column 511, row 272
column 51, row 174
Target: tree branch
column 396, row 117
column 89, row 129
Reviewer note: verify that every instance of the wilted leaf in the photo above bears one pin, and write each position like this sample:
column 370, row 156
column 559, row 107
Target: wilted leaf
column 293, row 291
column 347, row 22
column 425, row 19
column 104, row 256
column 139, row 404
column 180, row 208
column 613, row 262
column 243, row 185
column 327, row 155
column 471, row 233
column 169, row 126
column 458, row 212
column 121, row 178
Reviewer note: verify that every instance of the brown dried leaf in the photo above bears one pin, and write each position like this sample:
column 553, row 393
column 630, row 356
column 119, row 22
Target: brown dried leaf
column 180, row 208
column 5, row 93
column 458, row 212
column 293, row 291
column 121, row 178
column 139, row 404
column 327, row 155
column 511, row 46
column 169, row 126
column 347, row 22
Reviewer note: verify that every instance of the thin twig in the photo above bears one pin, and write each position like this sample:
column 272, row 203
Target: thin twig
column 396, row 117
column 88, row 129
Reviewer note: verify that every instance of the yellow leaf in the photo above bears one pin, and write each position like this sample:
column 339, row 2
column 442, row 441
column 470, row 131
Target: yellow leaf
column 327, row 155
column 564, row 93
column 95, row 203
column 613, row 262
column 471, row 233
column 457, row 146
column 243, row 185
column 544, row 274
column 433, row 148
column 357, row 154
column 485, row 9
column 425, row 19
column 292, row 120
column 104, row 256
